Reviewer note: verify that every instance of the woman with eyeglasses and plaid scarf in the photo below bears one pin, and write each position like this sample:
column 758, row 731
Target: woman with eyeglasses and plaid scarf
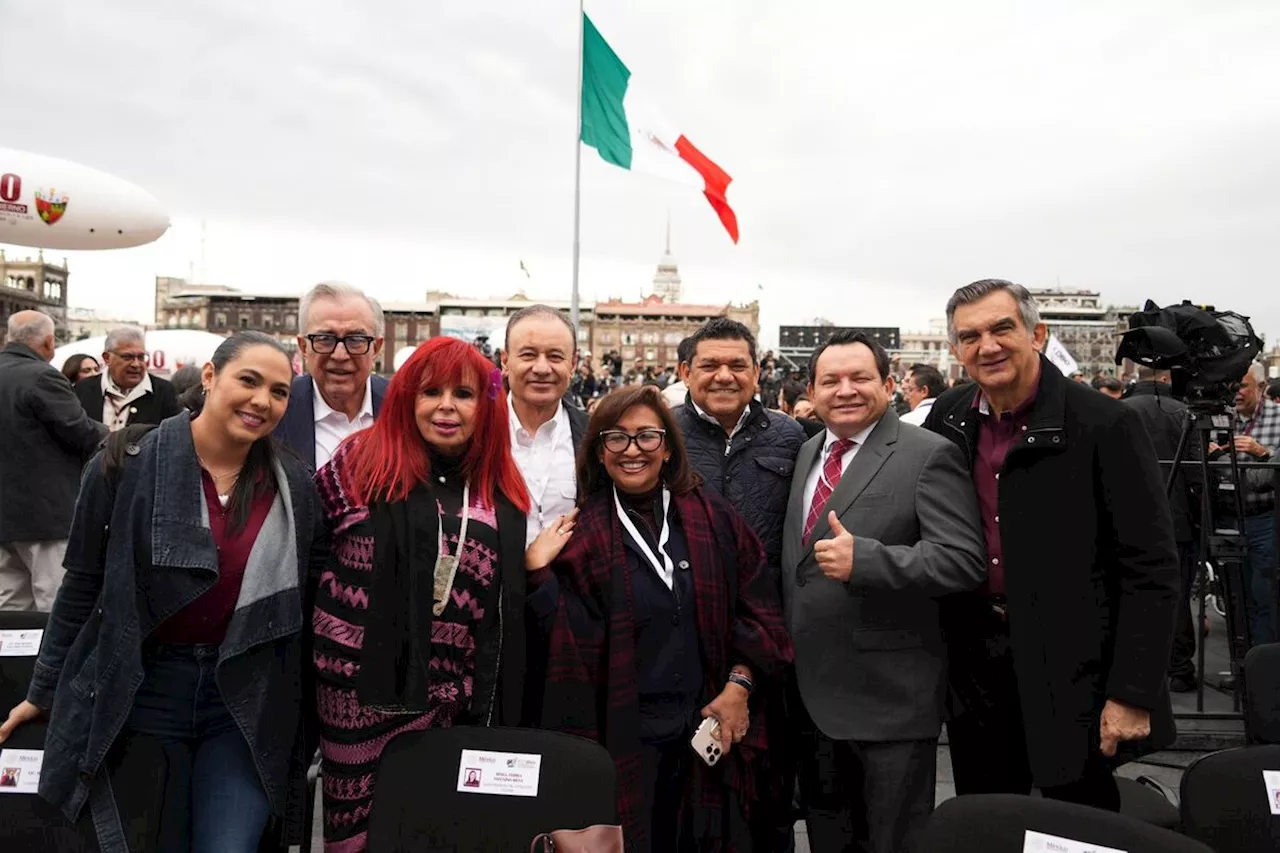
column 662, row 617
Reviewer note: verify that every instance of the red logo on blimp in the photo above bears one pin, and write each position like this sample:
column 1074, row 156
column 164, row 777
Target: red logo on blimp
column 50, row 205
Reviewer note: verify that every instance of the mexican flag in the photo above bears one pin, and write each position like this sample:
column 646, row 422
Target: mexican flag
column 627, row 131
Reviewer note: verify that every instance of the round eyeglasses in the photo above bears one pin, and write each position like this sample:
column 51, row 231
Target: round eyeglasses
column 325, row 343
column 648, row 440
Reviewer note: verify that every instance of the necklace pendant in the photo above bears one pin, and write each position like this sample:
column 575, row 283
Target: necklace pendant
column 446, row 567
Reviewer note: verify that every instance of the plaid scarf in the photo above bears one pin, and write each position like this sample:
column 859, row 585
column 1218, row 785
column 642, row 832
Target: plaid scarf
column 591, row 672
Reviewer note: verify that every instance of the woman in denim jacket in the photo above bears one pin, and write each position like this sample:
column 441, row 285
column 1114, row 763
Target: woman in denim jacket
column 181, row 620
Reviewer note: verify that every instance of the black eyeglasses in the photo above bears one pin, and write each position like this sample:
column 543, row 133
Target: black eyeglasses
column 325, row 343
column 140, row 357
column 648, row 440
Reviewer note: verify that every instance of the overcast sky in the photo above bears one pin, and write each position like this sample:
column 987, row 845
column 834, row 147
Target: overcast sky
column 882, row 153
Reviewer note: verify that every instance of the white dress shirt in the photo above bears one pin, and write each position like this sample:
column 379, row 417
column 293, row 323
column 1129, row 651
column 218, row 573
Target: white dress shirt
column 116, row 407
column 742, row 419
column 811, row 483
column 546, row 461
column 674, row 394
column 919, row 413
column 333, row 426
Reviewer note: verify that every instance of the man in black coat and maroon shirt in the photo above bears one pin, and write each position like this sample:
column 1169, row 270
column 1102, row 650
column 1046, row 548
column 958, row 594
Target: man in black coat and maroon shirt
column 1060, row 658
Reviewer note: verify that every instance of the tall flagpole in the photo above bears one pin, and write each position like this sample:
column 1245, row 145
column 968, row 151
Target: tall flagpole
column 577, row 176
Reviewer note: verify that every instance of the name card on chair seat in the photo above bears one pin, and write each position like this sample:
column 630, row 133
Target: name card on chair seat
column 20, row 642
column 1271, row 778
column 20, row 770
column 1040, row 842
column 505, row 774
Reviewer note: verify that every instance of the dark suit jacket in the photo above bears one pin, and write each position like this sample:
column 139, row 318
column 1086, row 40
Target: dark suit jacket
column 577, row 426
column 152, row 408
column 811, row 426
column 870, row 659
column 297, row 428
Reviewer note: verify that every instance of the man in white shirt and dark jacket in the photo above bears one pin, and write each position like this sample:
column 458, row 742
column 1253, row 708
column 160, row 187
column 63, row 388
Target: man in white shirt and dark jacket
column 538, row 362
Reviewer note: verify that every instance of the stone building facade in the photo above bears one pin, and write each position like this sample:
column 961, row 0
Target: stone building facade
column 1089, row 330
column 930, row 347
column 33, row 284
column 651, row 330
column 90, row 323
column 224, row 310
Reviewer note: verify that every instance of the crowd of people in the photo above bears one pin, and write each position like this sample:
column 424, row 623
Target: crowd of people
column 831, row 564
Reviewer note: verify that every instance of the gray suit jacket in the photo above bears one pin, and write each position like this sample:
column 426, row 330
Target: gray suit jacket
column 870, row 659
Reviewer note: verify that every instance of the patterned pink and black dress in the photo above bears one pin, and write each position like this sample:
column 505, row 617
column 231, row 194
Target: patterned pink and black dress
column 352, row 736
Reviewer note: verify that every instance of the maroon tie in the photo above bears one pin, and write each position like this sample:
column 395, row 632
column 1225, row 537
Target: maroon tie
column 832, row 470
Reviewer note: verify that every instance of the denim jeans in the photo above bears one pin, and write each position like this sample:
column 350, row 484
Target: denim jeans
column 1259, row 577
column 223, row 808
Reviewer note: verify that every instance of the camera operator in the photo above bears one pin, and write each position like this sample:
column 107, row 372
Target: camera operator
column 1164, row 416
column 1257, row 437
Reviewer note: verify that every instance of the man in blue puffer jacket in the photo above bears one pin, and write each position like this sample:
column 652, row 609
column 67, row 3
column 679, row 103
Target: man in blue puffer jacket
column 746, row 453
column 742, row 450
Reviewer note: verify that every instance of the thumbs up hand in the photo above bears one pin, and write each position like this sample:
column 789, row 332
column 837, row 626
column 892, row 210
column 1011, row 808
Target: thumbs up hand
column 835, row 554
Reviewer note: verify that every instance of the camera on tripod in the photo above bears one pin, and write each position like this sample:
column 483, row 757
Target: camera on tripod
column 1206, row 351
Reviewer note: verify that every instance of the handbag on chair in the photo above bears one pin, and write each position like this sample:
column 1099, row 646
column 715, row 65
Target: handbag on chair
column 601, row 838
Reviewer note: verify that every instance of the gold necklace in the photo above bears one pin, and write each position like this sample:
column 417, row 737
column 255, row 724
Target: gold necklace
column 217, row 477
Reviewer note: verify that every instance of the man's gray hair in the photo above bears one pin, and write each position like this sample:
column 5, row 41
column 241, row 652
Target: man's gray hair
column 539, row 310
column 337, row 290
column 30, row 327
column 124, row 335
column 980, row 289
column 1258, row 369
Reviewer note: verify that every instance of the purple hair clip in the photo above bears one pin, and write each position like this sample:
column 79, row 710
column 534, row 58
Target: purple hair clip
column 495, row 382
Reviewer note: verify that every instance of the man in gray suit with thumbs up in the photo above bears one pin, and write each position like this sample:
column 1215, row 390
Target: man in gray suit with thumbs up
column 882, row 521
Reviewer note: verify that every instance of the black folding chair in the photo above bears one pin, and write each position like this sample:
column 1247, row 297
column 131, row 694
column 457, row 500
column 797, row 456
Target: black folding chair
column 1226, row 802
column 140, row 769
column 417, row 805
column 1149, row 801
column 1262, row 693
column 1000, row 823
column 28, row 823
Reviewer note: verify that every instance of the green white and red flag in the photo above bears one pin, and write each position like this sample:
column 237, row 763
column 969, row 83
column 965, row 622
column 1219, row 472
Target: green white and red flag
column 622, row 124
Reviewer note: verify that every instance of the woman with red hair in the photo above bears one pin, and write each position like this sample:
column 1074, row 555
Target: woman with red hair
column 418, row 619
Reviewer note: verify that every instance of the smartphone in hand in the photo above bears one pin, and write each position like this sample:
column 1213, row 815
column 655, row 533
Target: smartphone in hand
column 706, row 741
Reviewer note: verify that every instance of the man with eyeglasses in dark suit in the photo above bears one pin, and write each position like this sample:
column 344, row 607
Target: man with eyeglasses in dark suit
column 126, row 393
column 340, row 339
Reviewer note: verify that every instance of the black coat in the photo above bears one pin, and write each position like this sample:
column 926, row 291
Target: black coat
column 1092, row 572
column 151, row 408
column 47, row 439
column 1164, row 416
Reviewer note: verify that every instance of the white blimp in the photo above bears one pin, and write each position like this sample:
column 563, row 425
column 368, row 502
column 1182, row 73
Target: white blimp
column 47, row 203
column 169, row 349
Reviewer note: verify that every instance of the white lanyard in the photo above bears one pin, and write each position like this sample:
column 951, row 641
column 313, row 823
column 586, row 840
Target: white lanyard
column 446, row 566
column 665, row 569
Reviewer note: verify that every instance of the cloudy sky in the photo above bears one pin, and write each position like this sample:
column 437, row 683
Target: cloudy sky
column 882, row 153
